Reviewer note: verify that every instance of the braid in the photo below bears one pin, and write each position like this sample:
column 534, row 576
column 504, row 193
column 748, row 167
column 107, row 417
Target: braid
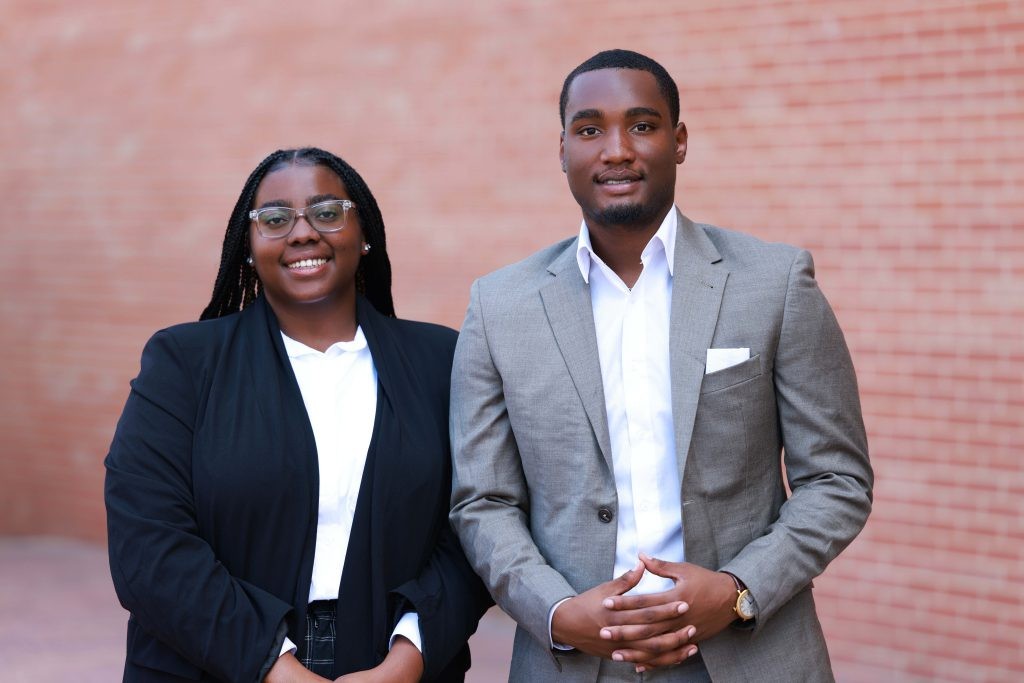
column 237, row 284
column 373, row 277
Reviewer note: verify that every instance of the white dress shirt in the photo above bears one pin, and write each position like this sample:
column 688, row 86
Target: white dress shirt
column 633, row 344
column 339, row 390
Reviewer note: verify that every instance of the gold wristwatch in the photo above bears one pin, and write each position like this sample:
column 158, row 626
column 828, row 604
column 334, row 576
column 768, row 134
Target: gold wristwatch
column 744, row 606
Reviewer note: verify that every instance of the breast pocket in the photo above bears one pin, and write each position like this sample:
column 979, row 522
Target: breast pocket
column 732, row 375
column 733, row 430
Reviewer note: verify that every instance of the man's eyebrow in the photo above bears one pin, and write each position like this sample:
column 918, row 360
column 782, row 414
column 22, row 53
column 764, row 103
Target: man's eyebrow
column 585, row 114
column 643, row 111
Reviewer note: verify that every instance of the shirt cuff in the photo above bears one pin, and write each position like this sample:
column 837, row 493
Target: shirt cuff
column 288, row 646
column 408, row 626
column 551, row 639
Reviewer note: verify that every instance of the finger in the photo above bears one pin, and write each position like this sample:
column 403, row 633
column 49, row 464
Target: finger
column 667, row 659
column 642, row 650
column 637, row 602
column 628, row 580
column 669, row 612
column 659, row 567
column 642, row 632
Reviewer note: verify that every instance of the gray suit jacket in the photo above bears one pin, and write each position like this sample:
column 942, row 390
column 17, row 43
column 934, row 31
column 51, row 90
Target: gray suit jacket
column 533, row 462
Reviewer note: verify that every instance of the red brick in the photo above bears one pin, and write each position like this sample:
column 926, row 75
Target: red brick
column 884, row 136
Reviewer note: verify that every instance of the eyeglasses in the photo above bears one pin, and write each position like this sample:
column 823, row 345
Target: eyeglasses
column 275, row 222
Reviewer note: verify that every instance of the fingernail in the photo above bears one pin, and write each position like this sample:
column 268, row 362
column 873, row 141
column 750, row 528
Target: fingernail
column 609, row 603
column 606, row 634
column 691, row 632
column 639, row 566
column 617, row 656
column 682, row 607
column 693, row 651
column 641, row 669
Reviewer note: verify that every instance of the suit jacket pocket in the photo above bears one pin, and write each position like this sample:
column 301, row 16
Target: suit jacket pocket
column 146, row 651
column 732, row 375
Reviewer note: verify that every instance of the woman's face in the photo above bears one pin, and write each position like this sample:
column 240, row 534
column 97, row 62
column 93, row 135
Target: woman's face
column 306, row 267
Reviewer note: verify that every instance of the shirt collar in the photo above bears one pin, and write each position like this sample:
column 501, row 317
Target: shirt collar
column 296, row 349
column 665, row 238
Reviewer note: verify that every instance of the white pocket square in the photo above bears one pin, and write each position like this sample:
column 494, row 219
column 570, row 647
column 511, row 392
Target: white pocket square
column 720, row 359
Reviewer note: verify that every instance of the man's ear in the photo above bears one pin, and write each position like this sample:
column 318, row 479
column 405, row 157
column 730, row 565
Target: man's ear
column 680, row 142
column 561, row 150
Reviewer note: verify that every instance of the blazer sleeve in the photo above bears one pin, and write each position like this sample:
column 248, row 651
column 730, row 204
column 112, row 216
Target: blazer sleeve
column 825, row 451
column 490, row 497
column 449, row 600
column 447, row 595
column 163, row 571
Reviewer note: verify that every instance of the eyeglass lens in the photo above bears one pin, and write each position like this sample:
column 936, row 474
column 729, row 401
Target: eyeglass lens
column 277, row 221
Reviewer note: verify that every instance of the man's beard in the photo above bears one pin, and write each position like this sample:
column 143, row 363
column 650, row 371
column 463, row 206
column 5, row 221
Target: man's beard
column 628, row 215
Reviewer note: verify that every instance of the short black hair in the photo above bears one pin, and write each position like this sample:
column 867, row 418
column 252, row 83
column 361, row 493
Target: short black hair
column 624, row 59
column 237, row 284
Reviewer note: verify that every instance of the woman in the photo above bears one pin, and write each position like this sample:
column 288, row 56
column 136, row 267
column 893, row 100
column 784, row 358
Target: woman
column 277, row 488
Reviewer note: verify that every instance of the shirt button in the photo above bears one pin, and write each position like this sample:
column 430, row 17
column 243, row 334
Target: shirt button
column 605, row 515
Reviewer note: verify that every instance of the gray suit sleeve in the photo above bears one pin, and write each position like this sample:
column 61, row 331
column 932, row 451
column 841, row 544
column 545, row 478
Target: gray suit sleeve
column 825, row 451
column 490, row 497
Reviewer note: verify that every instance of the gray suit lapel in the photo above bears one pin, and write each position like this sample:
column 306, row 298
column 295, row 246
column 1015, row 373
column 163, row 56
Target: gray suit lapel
column 571, row 316
column 698, row 282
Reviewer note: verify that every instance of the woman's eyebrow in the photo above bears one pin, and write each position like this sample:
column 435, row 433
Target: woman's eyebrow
column 317, row 198
column 275, row 202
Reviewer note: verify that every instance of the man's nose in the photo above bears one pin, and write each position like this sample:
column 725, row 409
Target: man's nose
column 618, row 147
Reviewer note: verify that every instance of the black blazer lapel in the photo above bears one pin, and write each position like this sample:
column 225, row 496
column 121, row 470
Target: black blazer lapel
column 277, row 392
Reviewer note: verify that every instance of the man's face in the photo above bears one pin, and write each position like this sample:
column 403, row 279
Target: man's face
column 619, row 148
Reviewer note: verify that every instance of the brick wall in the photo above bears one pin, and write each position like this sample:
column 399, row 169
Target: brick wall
column 885, row 136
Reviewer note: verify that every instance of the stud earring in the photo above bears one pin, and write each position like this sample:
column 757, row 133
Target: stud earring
column 366, row 248
column 249, row 260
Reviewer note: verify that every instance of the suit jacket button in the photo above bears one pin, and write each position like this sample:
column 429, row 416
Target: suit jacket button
column 605, row 515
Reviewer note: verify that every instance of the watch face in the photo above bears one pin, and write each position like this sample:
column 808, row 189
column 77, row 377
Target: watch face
column 745, row 605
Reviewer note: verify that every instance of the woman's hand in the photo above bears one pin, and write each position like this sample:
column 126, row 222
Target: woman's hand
column 288, row 669
column 404, row 664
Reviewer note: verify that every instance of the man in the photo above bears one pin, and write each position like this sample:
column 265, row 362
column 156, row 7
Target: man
column 620, row 403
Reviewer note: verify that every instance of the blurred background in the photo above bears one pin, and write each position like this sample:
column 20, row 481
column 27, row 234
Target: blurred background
column 887, row 137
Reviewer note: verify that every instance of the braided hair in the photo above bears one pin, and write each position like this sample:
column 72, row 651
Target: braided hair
column 238, row 285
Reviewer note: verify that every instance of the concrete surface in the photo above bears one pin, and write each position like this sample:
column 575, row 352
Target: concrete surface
column 58, row 591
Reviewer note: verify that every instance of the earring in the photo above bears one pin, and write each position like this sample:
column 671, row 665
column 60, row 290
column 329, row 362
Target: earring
column 249, row 260
column 366, row 248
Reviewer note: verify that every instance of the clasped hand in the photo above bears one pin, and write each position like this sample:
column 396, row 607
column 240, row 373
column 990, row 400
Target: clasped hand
column 653, row 630
column 402, row 663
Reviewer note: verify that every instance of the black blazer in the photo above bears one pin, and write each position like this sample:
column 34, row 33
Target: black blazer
column 212, row 498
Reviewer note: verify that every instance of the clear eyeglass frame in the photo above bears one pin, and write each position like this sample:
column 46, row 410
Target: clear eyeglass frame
column 294, row 215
